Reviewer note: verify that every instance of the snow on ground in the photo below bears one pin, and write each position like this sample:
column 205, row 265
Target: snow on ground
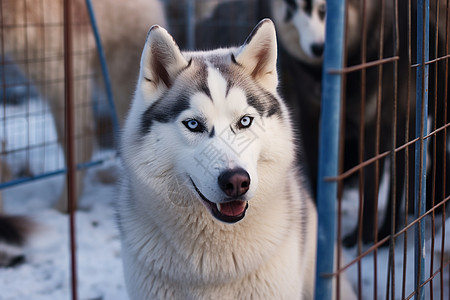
column 46, row 273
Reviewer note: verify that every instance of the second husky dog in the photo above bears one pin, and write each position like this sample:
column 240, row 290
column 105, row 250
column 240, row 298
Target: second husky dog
column 211, row 205
column 302, row 28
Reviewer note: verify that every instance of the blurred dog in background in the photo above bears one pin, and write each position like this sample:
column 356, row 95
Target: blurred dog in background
column 33, row 38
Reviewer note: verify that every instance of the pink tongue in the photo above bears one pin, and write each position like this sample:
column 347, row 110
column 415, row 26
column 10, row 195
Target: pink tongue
column 232, row 209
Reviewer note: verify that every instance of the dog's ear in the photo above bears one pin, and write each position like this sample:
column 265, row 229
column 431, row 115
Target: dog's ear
column 258, row 55
column 161, row 59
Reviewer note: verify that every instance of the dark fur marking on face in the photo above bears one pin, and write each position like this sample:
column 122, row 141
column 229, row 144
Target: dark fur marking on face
column 322, row 10
column 212, row 133
column 292, row 4
column 292, row 7
column 308, row 7
column 265, row 104
column 163, row 112
column 229, row 86
column 256, row 103
column 274, row 106
column 202, row 84
column 205, row 89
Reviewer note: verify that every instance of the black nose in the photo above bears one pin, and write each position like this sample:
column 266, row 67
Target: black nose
column 235, row 182
column 317, row 49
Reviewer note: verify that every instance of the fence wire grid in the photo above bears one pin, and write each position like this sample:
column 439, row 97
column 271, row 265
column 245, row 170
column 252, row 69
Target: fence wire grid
column 393, row 181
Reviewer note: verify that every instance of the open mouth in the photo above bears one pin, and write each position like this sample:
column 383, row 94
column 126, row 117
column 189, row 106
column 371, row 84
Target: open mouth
column 229, row 212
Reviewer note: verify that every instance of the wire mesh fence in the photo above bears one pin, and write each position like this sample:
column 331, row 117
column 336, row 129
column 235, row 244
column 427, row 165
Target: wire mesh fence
column 394, row 149
column 393, row 172
column 32, row 118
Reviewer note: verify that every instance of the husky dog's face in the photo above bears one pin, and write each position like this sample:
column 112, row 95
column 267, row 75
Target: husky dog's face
column 301, row 27
column 200, row 119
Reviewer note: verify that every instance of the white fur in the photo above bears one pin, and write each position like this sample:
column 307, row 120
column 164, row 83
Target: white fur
column 302, row 31
column 172, row 246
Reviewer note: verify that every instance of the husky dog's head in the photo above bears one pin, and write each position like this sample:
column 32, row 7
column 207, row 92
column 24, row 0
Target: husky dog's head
column 205, row 125
column 301, row 27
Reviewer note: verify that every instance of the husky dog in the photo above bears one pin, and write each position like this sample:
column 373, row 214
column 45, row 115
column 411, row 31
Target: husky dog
column 302, row 27
column 301, row 77
column 211, row 204
column 39, row 51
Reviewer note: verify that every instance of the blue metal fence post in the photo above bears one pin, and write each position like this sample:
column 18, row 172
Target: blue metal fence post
column 104, row 67
column 423, row 15
column 190, row 28
column 329, row 146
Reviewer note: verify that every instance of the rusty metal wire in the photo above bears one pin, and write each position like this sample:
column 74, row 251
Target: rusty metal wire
column 39, row 63
column 40, row 60
column 401, row 145
column 392, row 33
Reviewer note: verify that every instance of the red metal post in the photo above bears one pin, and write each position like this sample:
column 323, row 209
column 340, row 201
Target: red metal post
column 69, row 128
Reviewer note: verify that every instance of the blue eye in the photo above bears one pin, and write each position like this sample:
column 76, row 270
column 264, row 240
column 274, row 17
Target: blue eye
column 245, row 122
column 193, row 125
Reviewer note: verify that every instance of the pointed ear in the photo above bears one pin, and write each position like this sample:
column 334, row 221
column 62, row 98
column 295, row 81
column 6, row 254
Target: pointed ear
column 161, row 59
column 258, row 55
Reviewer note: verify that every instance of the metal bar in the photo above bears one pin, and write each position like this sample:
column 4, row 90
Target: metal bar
column 340, row 187
column 387, row 238
column 21, row 180
column 444, row 171
column 328, row 147
column 393, row 158
column 407, row 154
column 104, row 67
column 69, row 129
column 365, row 65
column 423, row 14
column 434, row 141
column 361, row 175
column 3, row 86
column 432, row 61
column 369, row 161
column 190, row 28
column 377, row 150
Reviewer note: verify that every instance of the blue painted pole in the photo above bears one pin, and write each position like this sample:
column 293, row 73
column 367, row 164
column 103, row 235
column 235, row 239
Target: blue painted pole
column 328, row 147
column 104, row 67
column 423, row 15
column 190, row 28
column 80, row 166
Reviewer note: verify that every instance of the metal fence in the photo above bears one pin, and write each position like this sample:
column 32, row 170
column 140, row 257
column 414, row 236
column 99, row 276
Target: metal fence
column 32, row 117
column 384, row 126
column 52, row 114
column 399, row 88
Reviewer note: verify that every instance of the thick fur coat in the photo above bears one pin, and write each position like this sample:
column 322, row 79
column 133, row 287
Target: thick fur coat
column 239, row 226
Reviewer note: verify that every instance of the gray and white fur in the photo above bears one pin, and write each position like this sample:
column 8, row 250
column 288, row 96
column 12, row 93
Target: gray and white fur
column 237, row 225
